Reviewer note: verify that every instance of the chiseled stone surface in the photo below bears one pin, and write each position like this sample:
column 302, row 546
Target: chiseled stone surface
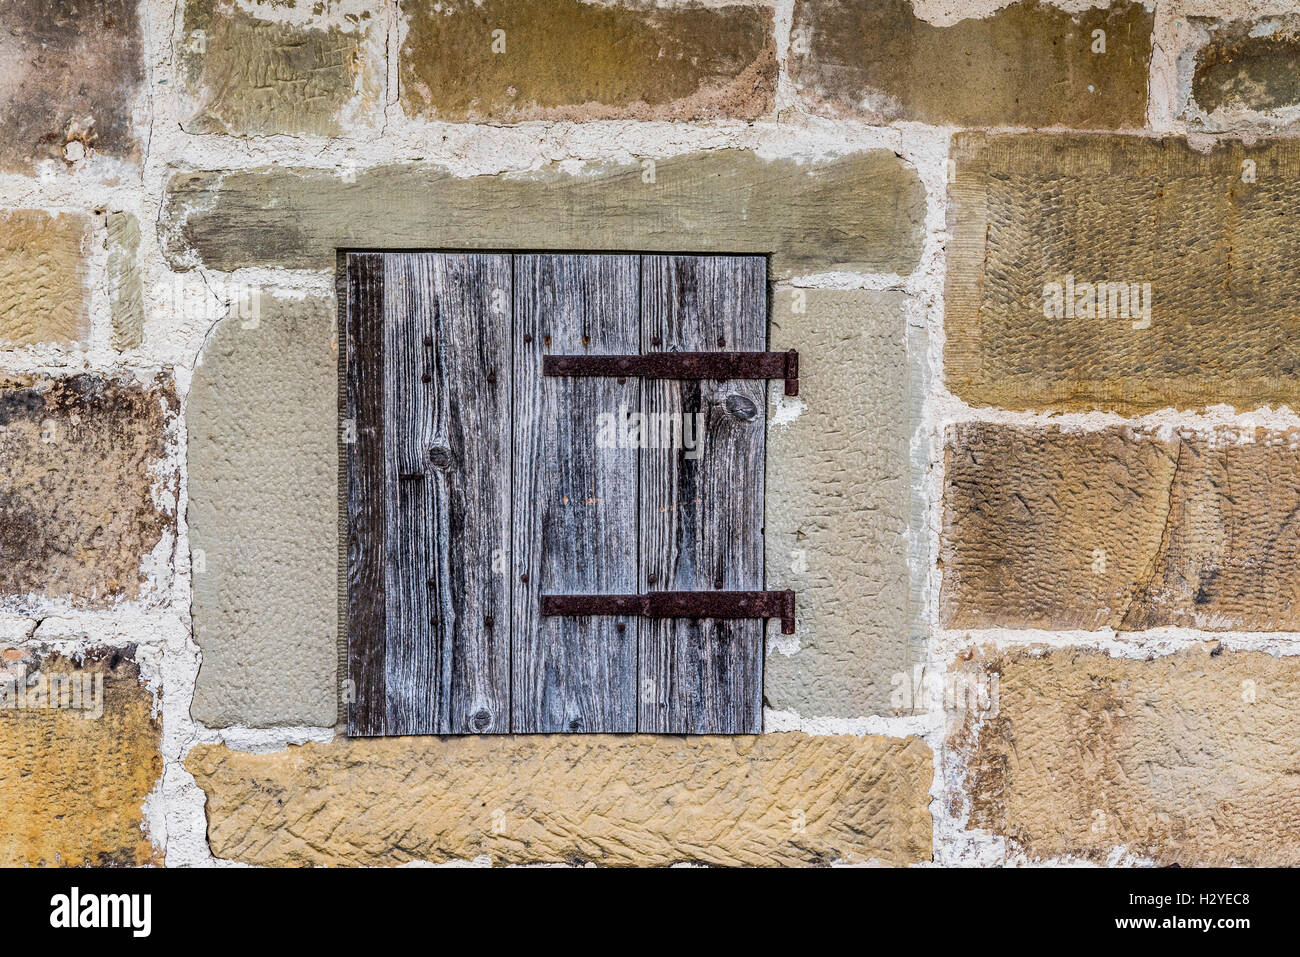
column 79, row 755
column 1208, row 240
column 253, row 77
column 863, row 211
column 510, row 60
column 85, row 487
column 1245, row 81
column 125, row 280
column 263, row 517
column 1121, row 528
column 837, row 502
column 1188, row 759
column 774, row 799
column 44, row 296
column 73, row 72
column 1028, row 64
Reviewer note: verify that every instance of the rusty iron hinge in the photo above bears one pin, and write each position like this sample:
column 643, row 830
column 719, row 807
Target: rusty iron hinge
column 683, row 365
column 680, row 604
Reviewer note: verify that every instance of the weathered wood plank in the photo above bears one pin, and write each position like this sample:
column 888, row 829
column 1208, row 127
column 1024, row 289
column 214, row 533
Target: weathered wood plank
column 417, row 666
column 448, row 423
column 702, row 509
column 575, row 510
column 363, row 429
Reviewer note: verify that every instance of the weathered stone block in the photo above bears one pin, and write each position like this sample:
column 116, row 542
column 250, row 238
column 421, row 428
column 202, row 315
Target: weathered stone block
column 263, row 517
column 1245, row 76
column 74, row 74
column 864, row 212
column 1187, row 759
column 253, row 77
column 1028, row 64
column 773, row 799
column 44, row 296
column 79, row 754
column 125, row 280
column 1201, row 243
column 838, row 496
column 87, row 493
column 510, row 60
column 1121, row 528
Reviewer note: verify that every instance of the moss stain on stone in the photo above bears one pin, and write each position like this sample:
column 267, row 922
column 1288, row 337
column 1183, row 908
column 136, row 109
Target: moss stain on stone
column 73, row 70
column 510, row 60
column 1028, row 64
column 1236, row 71
column 79, row 459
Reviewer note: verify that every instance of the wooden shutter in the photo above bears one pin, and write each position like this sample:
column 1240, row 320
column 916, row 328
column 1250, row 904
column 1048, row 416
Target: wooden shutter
column 428, row 387
column 575, row 527
column 476, row 485
column 702, row 518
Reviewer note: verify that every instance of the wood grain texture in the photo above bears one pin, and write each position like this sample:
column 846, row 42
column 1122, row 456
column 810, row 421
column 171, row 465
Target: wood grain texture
column 575, row 508
column 429, row 493
column 455, row 430
column 702, row 515
column 364, row 441
column 468, row 465
column 420, row 606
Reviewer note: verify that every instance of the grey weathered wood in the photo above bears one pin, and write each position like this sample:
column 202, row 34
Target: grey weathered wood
column 363, row 436
column 447, row 397
column 575, row 509
column 450, row 412
column 701, row 518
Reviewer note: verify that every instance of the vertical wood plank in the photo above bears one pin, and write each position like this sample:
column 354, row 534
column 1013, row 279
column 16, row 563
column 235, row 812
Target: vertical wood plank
column 575, row 480
column 702, row 517
column 363, row 436
column 418, row 664
column 447, row 404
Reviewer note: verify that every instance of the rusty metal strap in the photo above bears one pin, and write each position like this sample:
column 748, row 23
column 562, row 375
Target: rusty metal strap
column 683, row 365
column 680, row 604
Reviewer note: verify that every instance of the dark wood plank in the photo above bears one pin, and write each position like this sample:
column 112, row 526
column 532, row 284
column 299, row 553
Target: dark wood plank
column 448, row 425
column 363, row 437
column 702, row 517
column 575, row 510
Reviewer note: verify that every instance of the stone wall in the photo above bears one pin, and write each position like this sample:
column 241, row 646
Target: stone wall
column 1037, row 495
